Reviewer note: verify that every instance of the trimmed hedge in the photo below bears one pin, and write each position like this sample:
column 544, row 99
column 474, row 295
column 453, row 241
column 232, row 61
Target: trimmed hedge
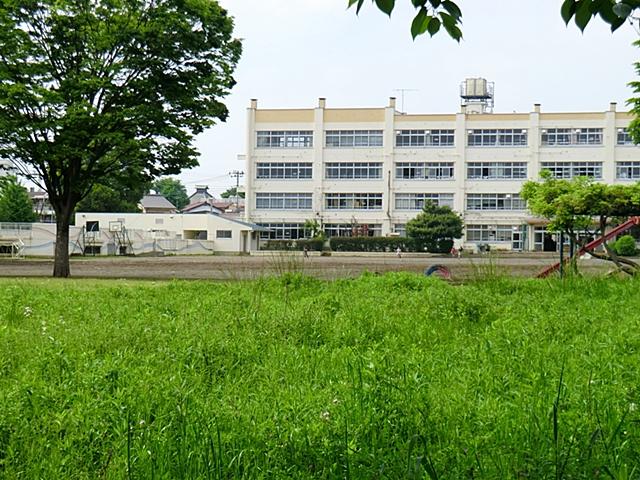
column 358, row 244
column 371, row 244
column 313, row 245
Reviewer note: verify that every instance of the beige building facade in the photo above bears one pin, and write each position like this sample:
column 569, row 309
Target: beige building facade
column 370, row 170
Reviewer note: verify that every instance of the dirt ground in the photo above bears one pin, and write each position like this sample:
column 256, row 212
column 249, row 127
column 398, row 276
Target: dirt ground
column 231, row 267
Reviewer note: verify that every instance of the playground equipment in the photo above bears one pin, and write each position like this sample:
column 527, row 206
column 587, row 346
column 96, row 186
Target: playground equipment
column 623, row 227
column 438, row 271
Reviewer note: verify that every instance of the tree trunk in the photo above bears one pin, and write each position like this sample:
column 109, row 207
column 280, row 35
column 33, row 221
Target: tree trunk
column 61, row 260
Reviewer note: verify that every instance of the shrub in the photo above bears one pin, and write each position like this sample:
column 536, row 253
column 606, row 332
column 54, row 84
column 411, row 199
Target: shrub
column 625, row 246
column 435, row 228
column 314, row 245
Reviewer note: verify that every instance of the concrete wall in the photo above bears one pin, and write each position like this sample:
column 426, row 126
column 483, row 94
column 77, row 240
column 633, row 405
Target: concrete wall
column 141, row 234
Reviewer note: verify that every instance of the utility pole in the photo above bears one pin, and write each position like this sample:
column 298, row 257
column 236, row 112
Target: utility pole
column 237, row 174
column 402, row 91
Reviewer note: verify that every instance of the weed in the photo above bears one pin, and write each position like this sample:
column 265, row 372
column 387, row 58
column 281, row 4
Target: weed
column 383, row 376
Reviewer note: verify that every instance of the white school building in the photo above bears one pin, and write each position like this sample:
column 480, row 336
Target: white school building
column 370, row 170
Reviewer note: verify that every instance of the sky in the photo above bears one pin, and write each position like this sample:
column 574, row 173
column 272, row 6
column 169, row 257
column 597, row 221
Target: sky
column 295, row 51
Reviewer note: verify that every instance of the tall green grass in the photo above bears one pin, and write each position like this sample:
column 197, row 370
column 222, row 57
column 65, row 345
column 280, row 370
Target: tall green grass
column 394, row 376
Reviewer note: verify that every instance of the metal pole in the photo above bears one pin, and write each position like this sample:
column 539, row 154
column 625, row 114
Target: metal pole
column 561, row 254
column 237, row 174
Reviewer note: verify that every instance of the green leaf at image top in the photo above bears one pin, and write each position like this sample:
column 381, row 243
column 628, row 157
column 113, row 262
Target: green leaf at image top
column 567, row 10
column 420, row 23
column 584, row 13
column 622, row 10
column 386, row 6
column 453, row 9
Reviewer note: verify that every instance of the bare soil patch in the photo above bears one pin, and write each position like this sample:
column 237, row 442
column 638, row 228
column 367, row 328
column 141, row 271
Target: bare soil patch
column 231, row 267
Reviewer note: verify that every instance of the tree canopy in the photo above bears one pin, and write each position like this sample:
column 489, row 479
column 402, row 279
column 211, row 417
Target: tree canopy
column 231, row 193
column 173, row 190
column 582, row 208
column 108, row 90
column 113, row 198
column 15, row 204
column 434, row 228
column 431, row 15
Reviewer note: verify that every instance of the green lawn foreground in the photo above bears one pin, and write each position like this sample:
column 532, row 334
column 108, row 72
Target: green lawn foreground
column 395, row 376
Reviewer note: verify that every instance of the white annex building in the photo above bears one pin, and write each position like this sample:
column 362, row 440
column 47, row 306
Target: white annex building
column 369, row 170
column 134, row 234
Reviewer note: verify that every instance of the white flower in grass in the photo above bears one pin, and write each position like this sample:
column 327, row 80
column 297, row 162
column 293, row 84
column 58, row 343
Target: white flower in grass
column 27, row 311
column 326, row 416
column 633, row 407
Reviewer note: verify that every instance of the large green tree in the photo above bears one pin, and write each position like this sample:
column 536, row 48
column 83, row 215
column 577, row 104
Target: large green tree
column 100, row 91
column 173, row 190
column 15, row 204
column 113, row 198
column 435, row 228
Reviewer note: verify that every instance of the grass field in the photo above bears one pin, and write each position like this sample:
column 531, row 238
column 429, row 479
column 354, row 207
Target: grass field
column 394, row 376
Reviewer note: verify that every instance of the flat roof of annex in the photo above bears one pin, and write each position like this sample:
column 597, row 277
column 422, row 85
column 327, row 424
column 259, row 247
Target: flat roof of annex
column 377, row 114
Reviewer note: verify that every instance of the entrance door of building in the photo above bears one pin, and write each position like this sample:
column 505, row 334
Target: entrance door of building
column 516, row 241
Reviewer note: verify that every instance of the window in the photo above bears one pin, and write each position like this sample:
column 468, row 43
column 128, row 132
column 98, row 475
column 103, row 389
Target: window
column 285, row 139
column 92, row 226
column 352, row 230
column 573, row 169
column 92, row 250
column 400, row 229
column 491, row 233
column 283, row 201
column 424, row 138
column 495, row 201
column 353, row 201
column 279, row 170
column 223, row 233
column 628, row 170
column 571, row 136
column 496, row 170
column 624, row 137
column 424, row 171
column 353, row 138
column 416, row 201
column 282, row 231
column 497, row 138
column 353, row 170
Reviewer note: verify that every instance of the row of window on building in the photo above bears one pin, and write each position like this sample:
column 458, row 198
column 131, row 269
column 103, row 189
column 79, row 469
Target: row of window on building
column 440, row 170
column 373, row 201
column 505, row 137
column 473, row 232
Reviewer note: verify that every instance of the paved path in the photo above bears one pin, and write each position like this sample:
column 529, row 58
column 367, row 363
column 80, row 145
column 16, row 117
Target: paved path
column 220, row 267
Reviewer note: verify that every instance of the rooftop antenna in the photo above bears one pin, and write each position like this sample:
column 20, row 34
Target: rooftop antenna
column 402, row 91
